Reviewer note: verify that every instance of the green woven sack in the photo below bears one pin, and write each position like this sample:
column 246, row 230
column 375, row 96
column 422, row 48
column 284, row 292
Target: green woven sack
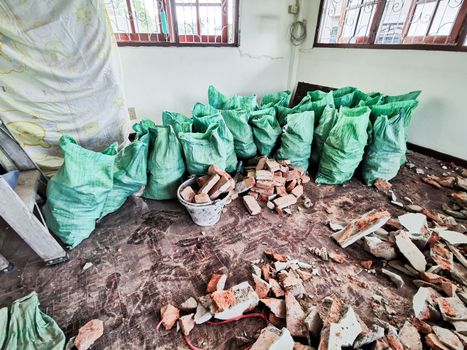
column 266, row 130
column 326, row 122
column 179, row 122
column 201, row 122
column 237, row 123
column 77, row 193
column 203, row 149
column 314, row 101
column 296, row 139
column 413, row 95
column 165, row 163
column 344, row 96
column 382, row 157
column 3, row 326
column 29, row 328
column 220, row 101
column 130, row 173
column 344, row 147
column 281, row 98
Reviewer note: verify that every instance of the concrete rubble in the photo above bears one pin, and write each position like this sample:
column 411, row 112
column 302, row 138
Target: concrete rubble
column 88, row 334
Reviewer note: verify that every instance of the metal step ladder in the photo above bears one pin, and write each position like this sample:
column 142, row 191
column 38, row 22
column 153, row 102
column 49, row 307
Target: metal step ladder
column 17, row 206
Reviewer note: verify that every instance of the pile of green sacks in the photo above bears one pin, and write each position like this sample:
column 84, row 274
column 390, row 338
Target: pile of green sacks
column 26, row 327
column 332, row 133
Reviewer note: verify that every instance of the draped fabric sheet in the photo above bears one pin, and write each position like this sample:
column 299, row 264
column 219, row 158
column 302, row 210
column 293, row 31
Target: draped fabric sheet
column 59, row 74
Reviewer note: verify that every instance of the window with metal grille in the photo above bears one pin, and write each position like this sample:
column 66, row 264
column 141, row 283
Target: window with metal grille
column 174, row 22
column 414, row 24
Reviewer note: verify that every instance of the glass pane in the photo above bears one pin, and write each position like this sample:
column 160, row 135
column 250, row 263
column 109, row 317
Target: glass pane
column 445, row 17
column 421, row 19
column 210, row 18
column 118, row 15
column 392, row 22
column 362, row 30
column 146, row 16
column 329, row 25
column 187, row 20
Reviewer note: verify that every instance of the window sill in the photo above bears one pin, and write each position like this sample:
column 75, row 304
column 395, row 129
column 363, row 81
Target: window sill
column 425, row 47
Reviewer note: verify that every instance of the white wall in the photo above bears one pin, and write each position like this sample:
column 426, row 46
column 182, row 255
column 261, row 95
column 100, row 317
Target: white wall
column 439, row 122
column 174, row 78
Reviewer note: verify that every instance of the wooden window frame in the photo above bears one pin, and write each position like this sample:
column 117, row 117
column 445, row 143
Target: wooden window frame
column 454, row 41
column 173, row 38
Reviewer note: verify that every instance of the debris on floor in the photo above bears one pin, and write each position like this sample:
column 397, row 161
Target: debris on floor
column 88, row 334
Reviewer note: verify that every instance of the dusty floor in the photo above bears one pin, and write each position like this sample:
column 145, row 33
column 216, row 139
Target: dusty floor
column 149, row 253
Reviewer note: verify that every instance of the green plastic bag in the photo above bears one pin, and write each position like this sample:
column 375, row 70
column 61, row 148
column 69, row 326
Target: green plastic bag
column 202, row 150
column 165, row 163
column 281, row 98
column 179, row 122
column 3, row 325
column 201, row 122
column 296, row 139
column 237, row 123
column 326, row 122
column 382, row 157
column 413, row 95
column 130, row 173
column 344, row 147
column 314, row 101
column 220, row 101
column 77, row 193
column 266, row 130
column 344, row 96
column 31, row 329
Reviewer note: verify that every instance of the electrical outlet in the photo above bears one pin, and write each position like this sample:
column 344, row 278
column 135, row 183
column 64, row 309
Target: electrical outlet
column 293, row 9
column 132, row 113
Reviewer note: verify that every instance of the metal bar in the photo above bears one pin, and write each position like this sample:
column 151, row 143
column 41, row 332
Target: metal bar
column 130, row 17
column 173, row 11
column 27, row 226
column 381, row 5
column 363, row 4
column 459, row 29
column 432, row 18
column 428, row 47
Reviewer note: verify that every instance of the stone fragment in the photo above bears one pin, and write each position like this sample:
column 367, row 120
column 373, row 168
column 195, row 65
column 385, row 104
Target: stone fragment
column 169, row 316
column 434, row 343
column 461, row 182
column 304, row 275
column 266, row 338
column 375, row 333
column 188, row 194
column 251, row 205
column 247, row 299
column 447, row 181
column 452, row 309
column 414, row 208
column 202, row 314
column 421, row 326
column 276, row 288
column 414, row 222
column 361, row 227
column 261, row 287
column 366, row 264
column 313, row 321
column 223, row 300
column 187, row 323
column 431, row 182
column 460, row 326
column 294, row 285
column 300, row 346
column 448, row 338
column 379, row 248
column 409, row 337
column 453, row 237
column 276, row 306
column 216, row 283
column 404, row 268
column 393, row 341
column 410, row 251
column 90, row 332
column 442, row 256
column 295, row 316
column 332, row 315
column 202, row 198
column 284, row 342
column 189, row 304
column 285, row 201
column 460, row 198
column 337, row 257
column 394, row 277
column 344, row 333
column 270, row 205
column 421, row 302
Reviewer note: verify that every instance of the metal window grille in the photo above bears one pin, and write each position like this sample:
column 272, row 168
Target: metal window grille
column 174, row 22
column 393, row 24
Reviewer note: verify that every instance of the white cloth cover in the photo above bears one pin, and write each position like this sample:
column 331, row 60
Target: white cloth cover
column 60, row 74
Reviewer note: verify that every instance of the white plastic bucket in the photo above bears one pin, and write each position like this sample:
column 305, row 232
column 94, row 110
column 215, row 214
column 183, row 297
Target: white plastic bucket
column 206, row 214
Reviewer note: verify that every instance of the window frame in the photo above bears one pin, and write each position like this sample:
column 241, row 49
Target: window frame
column 457, row 36
column 173, row 38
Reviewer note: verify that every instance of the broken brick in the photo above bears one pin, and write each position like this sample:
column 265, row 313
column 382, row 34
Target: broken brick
column 291, row 185
column 223, row 185
column 216, row 283
column 366, row 264
column 89, row 333
column 276, row 306
column 264, row 175
column 261, row 163
column 251, row 205
column 279, row 180
column 431, row 182
column 187, row 323
column 215, row 170
column 169, row 316
column 264, row 184
column 298, row 191
column 286, row 201
column 281, row 191
column 394, row 341
column 421, row 326
column 261, row 287
column 201, row 181
column 201, row 198
column 223, row 300
column 209, row 184
column 188, row 194
column 382, row 185
column 305, row 179
column 293, row 175
column 295, row 316
column 266, row 270
column 276, row 288
column 337, row 258
column 272, row 165
column 275, row 256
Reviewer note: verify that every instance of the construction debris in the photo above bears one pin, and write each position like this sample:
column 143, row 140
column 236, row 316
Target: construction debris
column 88, row 334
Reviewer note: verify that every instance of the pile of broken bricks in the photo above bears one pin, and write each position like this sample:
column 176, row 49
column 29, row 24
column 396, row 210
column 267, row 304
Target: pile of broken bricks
column 276, row 183
column 433, row 259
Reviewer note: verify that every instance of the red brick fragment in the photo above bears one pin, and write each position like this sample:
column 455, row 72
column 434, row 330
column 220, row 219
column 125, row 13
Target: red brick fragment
column 188, row 194
column 88, row 334
column 169, row 316
column 223, row 300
